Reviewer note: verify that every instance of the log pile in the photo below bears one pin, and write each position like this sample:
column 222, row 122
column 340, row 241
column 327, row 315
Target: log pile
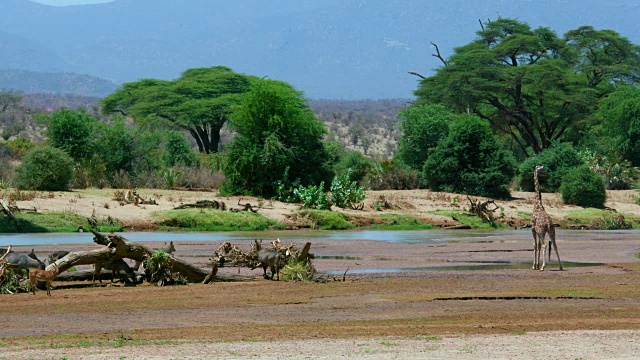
column 203, row 204
column 483, row 210
column 131, row 197
column 231, row 255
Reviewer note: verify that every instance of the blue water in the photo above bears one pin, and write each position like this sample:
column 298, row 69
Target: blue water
column 405, row 237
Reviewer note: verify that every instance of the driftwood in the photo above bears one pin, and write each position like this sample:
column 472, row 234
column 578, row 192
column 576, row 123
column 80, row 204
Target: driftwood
column 482, row 209
column 131, row 197
column 117, row 247
column 87, row 275
column 231, row 255
column 201, row 204
column 8, row 212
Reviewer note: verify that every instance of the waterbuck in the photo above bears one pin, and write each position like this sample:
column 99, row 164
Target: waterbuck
column 23, row 262
column 269, row 258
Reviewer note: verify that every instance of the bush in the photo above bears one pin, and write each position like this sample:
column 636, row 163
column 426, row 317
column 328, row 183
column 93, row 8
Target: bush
column 313, row 197
column 422, row 126
column 356, row 164
column 583, row 187
column 345, row 193
column 386, row 175
column 45, row 168
column 557, row 161
column 72, row 131
column 469, row 161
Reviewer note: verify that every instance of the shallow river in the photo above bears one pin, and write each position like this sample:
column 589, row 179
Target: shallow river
column 392, row 236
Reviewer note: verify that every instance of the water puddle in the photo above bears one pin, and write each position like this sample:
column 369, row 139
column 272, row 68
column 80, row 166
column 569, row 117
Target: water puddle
column 493, row 266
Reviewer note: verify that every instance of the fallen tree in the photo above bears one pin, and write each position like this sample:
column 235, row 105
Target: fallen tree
column 117, row 247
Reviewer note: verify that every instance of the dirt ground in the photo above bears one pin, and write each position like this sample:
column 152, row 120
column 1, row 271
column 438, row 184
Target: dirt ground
column 467, row 298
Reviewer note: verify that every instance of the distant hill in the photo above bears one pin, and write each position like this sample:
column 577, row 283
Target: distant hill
column 55, row 83
column 327, row 48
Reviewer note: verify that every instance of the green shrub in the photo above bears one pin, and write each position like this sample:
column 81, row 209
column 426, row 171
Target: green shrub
column 327, row 220
column 583, row 187
column 354, row 163
column 469, row 161
column 313, row 197
column 557, row 161
column 45, row 168
column 388, row 175
column 178, row 150
column 158, row 268
column 298, row 270
column 345, row 193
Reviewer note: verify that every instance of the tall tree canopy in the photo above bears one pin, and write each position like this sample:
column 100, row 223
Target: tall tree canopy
column 530, row 84
column 200, row 101
column 278, row 139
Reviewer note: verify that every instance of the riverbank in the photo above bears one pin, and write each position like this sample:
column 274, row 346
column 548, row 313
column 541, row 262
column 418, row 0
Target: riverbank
column 392, row 210
column 441, row 301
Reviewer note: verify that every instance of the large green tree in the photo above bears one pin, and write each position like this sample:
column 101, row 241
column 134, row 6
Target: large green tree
column 200, row 101
column 531, row 84
column 72, row 131
column 618, row 129
column 278, row 139
column 422, row 126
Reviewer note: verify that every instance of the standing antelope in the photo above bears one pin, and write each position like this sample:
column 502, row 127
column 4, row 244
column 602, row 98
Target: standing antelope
column 42, row 275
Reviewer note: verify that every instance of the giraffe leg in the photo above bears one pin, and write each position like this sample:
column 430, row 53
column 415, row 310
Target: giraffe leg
column 555, row 246
column 535, row 250
column 543, row 249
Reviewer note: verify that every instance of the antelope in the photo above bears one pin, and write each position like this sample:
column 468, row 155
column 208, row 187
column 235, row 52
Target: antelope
column 23, row 262
column 57, row 255
column 115, row 266
column 42, row 275
column 269, row 258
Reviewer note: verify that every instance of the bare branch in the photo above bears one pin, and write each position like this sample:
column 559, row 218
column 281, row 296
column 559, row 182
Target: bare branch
column 416, row 74
column 481, row 24
column 437, row 54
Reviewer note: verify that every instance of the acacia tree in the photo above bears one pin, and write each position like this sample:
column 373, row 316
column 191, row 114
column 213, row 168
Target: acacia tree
column 278, row 139
column 530, row 84
column 200, row 101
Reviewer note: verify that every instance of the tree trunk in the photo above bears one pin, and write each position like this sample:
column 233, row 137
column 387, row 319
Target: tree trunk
column 118, row 247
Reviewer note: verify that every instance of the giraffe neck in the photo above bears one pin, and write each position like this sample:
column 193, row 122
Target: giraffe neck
column 536, row 182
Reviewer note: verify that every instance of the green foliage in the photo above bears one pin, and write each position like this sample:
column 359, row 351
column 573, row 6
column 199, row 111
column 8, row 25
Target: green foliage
column 178, row 150
column 468, row 161
column 158, row 269
column 326, row 219
column 346, row 193
column 583, row 187
column 115, row 146
column 53, row 221
column 200, row 101
column 354, row 163
column 618, row 128
column 313, row 197
column 557, row 161
column 21, row 146
column 72, row 131
column 389, row 175
column 530, row 84
column 45, row 168
column 468, row 218
column 298, row 270
column 616, row 173
column 276, row 131
column 422, row 126
column 214, row 220
column 592, row 218
column 10, row 283
column 399, row 222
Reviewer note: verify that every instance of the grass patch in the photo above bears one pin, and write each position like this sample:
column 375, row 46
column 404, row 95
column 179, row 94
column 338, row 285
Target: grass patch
column 466, row 218
column 601, row 219
column 399, row 222
column 214, row 220
column 327, row 219
column 36, row 222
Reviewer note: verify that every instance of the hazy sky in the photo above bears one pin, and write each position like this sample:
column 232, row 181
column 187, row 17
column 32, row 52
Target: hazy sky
column 70, row 2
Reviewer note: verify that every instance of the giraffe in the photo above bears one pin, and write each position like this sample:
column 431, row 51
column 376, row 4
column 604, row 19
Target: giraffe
column 541, row 225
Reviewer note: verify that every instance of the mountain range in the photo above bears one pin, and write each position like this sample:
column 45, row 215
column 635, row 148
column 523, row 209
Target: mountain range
column 334, row 49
